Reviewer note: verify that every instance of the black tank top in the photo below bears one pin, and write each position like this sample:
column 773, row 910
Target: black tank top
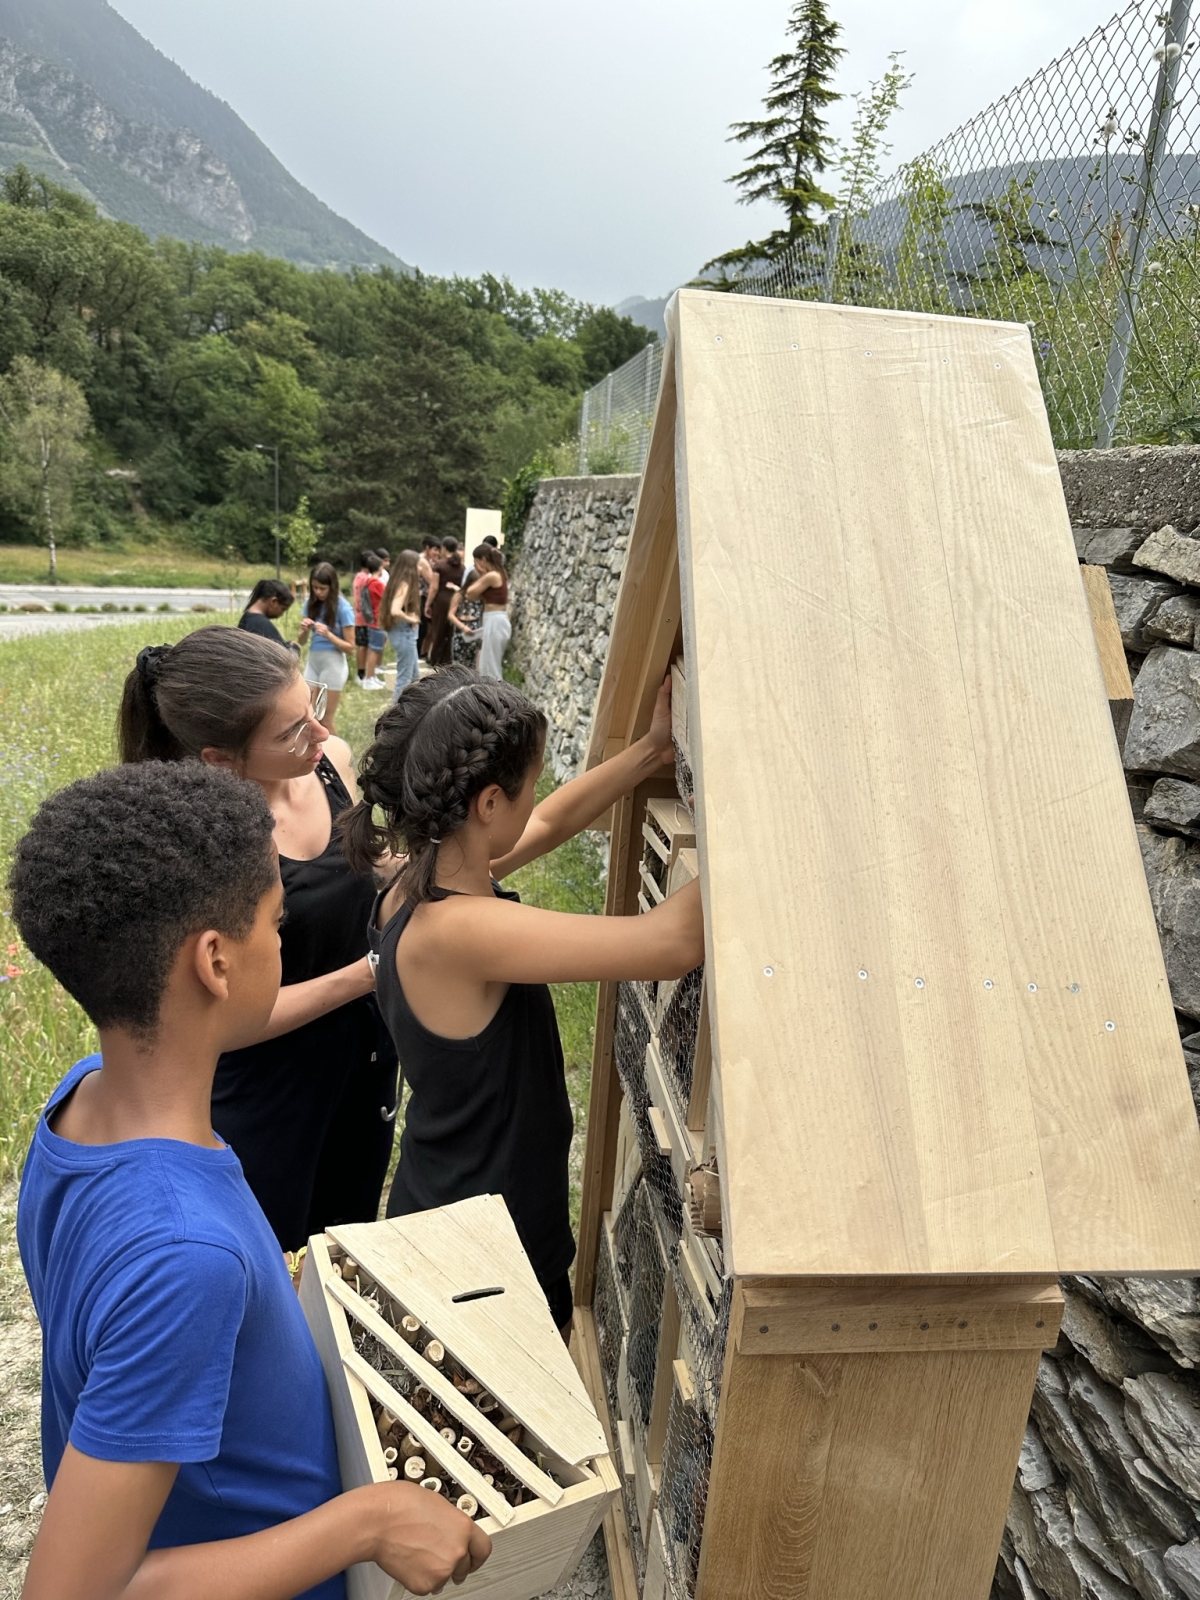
column 488, row 1115
column 328, row 906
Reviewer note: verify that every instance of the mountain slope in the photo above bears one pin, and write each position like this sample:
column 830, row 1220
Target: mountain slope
column 156, row 101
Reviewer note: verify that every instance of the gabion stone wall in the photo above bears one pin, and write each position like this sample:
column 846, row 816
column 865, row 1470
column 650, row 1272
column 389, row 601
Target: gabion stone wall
column 564, row 589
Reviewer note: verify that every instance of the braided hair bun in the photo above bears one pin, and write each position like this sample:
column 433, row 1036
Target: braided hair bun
column 445, row 740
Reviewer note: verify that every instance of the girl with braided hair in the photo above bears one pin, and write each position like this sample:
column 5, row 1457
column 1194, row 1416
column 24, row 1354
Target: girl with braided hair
column 464, row 967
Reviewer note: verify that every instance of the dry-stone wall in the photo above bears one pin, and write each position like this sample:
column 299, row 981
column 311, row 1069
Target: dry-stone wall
column 1107, row 1500
column 564, row 588
column 1106, row 1505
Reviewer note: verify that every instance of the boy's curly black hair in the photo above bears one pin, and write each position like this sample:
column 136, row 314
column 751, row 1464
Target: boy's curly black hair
column 118, row 870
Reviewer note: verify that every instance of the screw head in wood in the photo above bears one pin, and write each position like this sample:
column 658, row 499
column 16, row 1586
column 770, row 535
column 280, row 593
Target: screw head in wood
column 1040, row 1323
column 768, row 972
column 862, row 972
column 920, row 982
column 764, row 1329
column 988, row 984
column 1110, row 1027
column 1074, row 988
column 837, row 1327
column 962, row 1324
column 872, row 1326
column 1032, row 988
column 924, row 1325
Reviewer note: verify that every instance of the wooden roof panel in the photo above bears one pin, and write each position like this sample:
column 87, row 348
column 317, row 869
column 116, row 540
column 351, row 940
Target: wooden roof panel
column 940, row 1014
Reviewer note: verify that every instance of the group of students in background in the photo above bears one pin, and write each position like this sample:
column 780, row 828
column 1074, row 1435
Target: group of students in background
column 268, row 943
column 426, row 606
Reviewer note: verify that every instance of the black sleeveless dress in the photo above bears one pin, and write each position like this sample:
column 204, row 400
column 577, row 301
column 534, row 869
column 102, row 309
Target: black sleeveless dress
column 488, row 1115
column 310, row 1115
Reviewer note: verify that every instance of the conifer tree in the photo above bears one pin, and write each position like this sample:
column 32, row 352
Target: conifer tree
column 794, row 146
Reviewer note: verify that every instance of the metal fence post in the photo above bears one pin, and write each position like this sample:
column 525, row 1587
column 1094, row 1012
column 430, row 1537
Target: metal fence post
column 647, row 403
column 608, row 389
column 829, row 281
column 583, row 431
column 1174, row 36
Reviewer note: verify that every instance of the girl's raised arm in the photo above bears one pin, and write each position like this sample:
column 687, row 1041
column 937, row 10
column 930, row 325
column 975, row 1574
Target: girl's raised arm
column 577, row 804
column 500, row 942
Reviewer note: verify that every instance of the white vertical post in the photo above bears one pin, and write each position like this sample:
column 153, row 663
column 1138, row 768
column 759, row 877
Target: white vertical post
column 583, row 431
column 833, row 228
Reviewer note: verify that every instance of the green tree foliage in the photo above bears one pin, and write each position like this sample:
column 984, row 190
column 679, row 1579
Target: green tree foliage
column 301, row 534
column 794, row 146
column 44, row 419
column 395, row 399
column 862, row 161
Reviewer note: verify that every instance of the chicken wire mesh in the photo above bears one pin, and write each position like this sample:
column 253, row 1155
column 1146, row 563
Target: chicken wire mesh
column 1071, row 205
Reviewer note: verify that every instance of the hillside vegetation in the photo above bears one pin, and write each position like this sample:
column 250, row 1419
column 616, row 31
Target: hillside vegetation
column 157, row 108
column 395, row 399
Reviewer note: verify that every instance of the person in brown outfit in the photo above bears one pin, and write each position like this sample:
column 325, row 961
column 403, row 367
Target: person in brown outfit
column 447, row 577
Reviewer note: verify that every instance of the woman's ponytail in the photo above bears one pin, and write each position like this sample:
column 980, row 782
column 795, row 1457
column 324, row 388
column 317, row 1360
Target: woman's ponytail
column 364, row 840
column 142, row 735
column 211, row 690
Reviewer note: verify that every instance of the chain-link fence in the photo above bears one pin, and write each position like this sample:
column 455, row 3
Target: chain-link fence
column 614, row 428
column 1072, row 205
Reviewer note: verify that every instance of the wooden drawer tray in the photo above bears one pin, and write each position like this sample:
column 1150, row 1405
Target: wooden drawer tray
column 429, row 1318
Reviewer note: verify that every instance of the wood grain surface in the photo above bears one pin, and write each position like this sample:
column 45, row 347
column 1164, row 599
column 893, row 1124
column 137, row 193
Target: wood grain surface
column 863, row 1477
column 905, row 769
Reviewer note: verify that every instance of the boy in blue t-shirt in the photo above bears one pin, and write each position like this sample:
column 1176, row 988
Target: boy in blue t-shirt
column 187, row 1436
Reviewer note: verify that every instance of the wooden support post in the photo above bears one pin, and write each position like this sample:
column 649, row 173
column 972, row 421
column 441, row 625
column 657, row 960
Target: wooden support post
column 1117, row 683
column 880, row 1471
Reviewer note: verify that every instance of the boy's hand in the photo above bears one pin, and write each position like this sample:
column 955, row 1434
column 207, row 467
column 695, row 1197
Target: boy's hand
column 422, row 1540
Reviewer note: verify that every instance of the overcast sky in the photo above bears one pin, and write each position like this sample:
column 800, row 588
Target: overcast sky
column 572, row 145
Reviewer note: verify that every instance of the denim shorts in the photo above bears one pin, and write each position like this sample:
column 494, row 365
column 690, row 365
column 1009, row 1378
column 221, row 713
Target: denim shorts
column 376, row 639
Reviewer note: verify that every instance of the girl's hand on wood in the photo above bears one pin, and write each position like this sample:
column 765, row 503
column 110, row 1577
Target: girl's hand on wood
column 422, row 1540
column 686, row 907
column 659, row 734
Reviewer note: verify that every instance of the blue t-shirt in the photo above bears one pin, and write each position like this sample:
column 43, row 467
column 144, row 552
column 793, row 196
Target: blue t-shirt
column 345, row 617
column 171, row 1332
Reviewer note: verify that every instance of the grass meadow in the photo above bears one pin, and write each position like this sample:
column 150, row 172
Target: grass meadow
column 151, row 566
column 58, row 703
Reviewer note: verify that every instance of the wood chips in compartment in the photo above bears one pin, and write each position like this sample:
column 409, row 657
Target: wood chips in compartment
column 445, row 1367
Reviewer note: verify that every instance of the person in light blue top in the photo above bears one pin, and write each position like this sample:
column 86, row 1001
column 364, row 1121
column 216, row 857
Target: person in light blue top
column 328, row 621
column 187, row 1434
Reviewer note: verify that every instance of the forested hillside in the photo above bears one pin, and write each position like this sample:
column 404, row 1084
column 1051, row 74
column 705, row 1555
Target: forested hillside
column 395, row 399
column 111, row 150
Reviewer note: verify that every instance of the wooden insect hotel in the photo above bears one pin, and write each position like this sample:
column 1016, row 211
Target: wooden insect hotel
column 445, row 1367
column 931, row 1060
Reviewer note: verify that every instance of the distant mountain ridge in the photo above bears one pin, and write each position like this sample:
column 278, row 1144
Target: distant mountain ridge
column 80, row 86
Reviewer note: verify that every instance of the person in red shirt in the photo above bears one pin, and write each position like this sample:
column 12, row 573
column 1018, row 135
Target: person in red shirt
column 371, row 602
column 368, row 564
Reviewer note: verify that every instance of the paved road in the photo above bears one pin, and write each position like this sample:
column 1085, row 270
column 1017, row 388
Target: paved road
column 16, row 624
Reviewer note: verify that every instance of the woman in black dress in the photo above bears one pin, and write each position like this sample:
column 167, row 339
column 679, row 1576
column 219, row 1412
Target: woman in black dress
column 308, row 1108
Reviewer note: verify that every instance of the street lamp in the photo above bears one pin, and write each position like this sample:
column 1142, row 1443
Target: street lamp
column 268, row 449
